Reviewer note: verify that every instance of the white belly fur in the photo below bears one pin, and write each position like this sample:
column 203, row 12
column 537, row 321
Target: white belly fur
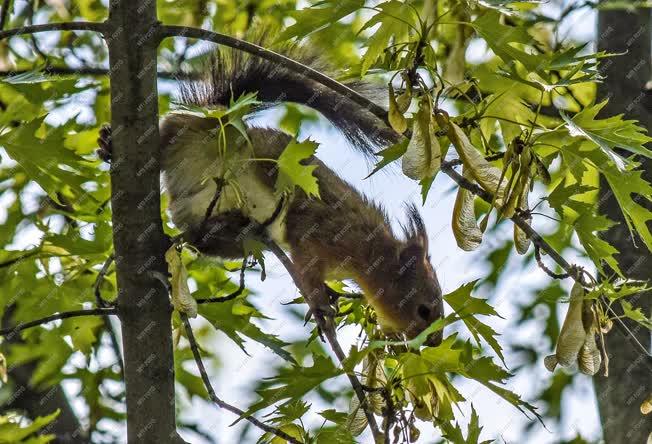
column 192, row 189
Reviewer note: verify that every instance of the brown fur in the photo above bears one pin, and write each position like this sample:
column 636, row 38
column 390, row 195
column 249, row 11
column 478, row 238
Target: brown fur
column 342, row 234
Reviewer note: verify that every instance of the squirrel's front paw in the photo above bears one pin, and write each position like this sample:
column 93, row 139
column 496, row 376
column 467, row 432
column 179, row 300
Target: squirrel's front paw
column 105, row 149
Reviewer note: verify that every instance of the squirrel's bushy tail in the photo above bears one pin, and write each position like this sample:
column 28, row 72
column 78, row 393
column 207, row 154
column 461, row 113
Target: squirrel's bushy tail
column 231, row 73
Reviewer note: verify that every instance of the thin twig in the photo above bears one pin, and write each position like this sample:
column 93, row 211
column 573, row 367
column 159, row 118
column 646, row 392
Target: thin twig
column 89, row 71
column 233, row 295
column 101, row 302
column 11, row 262
column 64, row 315
column 60, row 26
column 548, row 271
column 329, row 332
column 115, row 344
column 211, row 392
column 625, row 330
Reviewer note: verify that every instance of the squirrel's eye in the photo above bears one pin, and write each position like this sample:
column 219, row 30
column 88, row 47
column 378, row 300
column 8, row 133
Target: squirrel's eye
column 423, row 312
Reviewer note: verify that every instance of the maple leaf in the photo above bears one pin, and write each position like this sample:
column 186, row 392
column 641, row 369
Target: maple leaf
column 291, row 172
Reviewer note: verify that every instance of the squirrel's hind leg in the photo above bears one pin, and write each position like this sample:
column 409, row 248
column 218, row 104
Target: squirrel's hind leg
column 222, row 235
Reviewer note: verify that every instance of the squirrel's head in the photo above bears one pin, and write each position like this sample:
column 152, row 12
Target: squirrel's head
column 413, row 300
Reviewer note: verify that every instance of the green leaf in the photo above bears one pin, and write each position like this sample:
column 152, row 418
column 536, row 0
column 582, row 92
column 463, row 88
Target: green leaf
column 394, row 18
column 609, row 134
column 454, row 434
column 48, row 349
column 636, row 314
column 390, row 154
column 291, row 171
column 587, row 226
column 84, row 332
column 466, row 307
column 624, row 184
column 335, row 435
column 334, row 416
column 233, row 318
column 319, row 16
column 425, row 185
column 504, row 40
column 563, row 194
column 14, row 432
column 42, row 158
column 294, row 382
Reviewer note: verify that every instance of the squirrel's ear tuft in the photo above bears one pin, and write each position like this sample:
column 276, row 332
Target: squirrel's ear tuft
column 415, row 229
column 411, row 255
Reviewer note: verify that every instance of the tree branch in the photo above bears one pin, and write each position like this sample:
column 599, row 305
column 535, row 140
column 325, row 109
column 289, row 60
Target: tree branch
column 64, row 315
column 281, row 60
column 214, row 397
column 90, row 71
column 328, row 330
column 61, row 26
column 233, row 295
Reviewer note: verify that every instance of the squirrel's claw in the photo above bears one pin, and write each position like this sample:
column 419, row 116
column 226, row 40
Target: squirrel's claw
column 327, row 313
column 104, row 142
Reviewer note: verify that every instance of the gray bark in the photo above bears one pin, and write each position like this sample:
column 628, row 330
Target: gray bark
column 143, row 304
column 630, row 381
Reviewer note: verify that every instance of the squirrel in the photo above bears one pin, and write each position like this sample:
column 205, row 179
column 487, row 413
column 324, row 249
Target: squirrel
column 340, row 235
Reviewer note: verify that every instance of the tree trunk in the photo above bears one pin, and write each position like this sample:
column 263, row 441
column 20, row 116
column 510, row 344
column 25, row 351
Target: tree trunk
column 143, row 303
column 630, row 381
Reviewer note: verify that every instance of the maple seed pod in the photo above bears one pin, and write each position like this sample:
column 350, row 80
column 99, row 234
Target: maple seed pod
column 515, row 195
column 646, row 406
column 589, row 359
column 572, row 335
column 414, row 433
column 550, row 362
column 404, row 100
column 395, row 116
column 485, row 174
column 521, row 240
column 422, row 157
column 465, row 227
column 356, row 421
column 542, row 171
column 455, row 63
column 182, row 300
column 606, row 326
